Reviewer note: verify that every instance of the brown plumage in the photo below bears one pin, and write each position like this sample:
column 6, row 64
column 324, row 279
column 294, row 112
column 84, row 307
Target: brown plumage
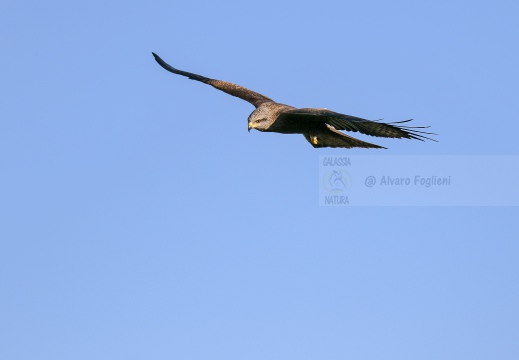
column 319, row 126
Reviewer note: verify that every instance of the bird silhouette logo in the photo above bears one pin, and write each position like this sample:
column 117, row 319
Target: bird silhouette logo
column 336, row 181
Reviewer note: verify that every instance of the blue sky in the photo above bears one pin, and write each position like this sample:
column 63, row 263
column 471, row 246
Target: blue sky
column 139, row 219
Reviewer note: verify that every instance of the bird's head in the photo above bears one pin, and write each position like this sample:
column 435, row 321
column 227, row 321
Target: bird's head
column 259, row 119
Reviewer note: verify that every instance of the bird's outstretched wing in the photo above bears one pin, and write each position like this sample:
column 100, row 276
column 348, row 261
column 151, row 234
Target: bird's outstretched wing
column 352, row 123
column 254, row 98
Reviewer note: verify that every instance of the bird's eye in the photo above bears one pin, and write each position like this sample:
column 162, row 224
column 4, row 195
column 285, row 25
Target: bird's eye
column 257, row 121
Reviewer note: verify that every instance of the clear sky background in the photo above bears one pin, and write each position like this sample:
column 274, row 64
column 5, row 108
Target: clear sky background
column 140, row 220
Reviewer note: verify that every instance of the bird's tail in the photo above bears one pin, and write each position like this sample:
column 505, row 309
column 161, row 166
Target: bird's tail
column 332, row 138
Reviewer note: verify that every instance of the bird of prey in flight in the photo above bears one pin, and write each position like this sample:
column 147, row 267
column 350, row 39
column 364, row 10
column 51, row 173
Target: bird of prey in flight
column 321, row 127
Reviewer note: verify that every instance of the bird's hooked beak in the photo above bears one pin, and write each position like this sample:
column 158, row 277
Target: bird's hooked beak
column 248, row 126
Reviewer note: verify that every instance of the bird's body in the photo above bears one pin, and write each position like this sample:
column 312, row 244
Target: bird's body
column 321, row 127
